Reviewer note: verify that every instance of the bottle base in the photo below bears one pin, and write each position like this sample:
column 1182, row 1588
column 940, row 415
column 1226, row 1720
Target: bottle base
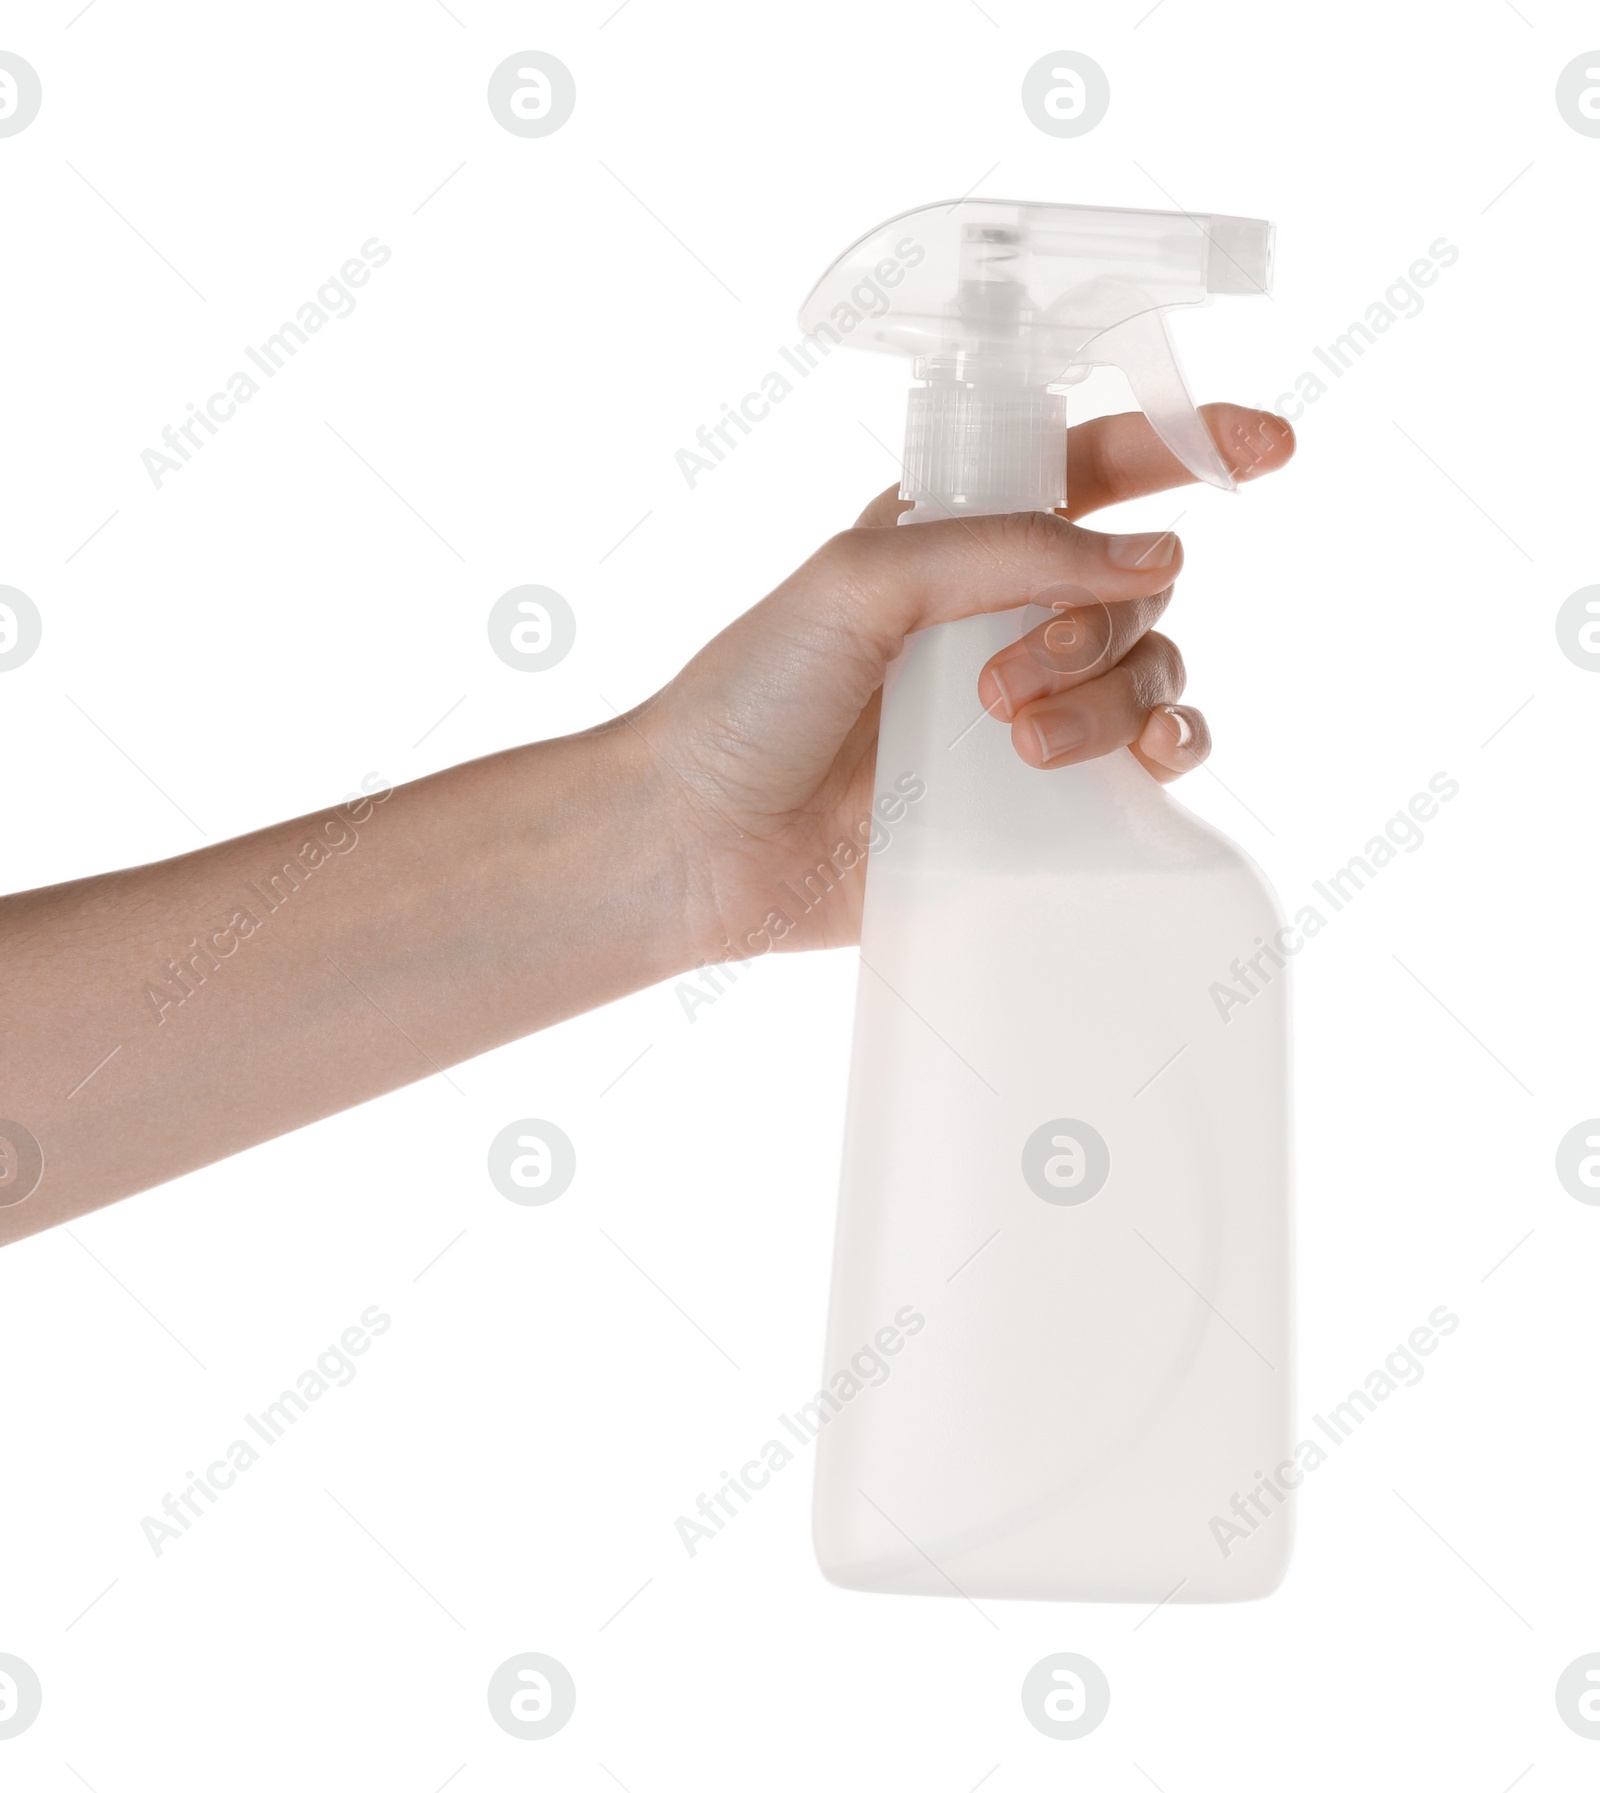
column 1229, row 1582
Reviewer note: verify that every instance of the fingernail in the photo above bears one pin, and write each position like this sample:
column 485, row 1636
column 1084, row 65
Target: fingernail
column 1180, row 725
column 1141, row 552
column 1168, row 737
column 1059, row 732
column 1017, row 685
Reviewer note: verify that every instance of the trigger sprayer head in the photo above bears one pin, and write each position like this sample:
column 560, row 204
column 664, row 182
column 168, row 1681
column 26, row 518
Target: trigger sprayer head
column 1002, row 304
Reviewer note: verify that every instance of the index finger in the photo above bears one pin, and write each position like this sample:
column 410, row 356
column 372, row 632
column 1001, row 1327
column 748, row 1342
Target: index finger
column 1113, row 459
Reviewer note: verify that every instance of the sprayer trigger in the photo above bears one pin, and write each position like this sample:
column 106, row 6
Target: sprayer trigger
column 1142, row 348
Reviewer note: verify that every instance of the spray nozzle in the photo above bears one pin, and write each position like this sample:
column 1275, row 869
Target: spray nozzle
column 1001, row 304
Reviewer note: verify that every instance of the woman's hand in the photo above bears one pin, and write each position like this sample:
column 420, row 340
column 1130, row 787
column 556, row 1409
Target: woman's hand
column 163, row 1016
column 762, row 749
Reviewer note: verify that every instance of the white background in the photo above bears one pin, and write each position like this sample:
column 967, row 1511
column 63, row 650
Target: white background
column 275, row 622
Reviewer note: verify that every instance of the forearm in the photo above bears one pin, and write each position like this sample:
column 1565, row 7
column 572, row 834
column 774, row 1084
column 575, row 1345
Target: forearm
column 159, row 1018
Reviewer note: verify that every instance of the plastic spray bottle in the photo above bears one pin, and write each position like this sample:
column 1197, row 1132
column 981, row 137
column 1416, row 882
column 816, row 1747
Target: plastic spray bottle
column 1058, row 1357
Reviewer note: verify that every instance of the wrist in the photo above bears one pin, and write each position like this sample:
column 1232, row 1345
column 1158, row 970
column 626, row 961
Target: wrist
column 605, row 871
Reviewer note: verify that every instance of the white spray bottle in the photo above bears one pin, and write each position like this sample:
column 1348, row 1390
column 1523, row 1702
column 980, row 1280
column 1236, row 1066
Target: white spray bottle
column 1058, row 1359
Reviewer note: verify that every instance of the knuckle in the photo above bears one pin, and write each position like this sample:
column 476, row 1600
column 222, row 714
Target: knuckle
column 1164, row 669
column 1132, row 623
column 867, row 588
column 846, row 551
column 1035, row 532
column 853, row 563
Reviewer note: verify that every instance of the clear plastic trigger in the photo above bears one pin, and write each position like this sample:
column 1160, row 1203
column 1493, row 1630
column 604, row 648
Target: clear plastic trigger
column 1141, row 347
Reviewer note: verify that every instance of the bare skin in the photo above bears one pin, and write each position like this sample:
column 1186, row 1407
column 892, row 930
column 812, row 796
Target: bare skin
column 413, row 929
